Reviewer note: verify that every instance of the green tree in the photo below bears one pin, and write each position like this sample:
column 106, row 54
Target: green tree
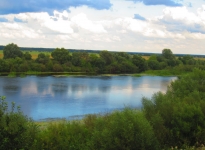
column 179, row 113
column 12, row 51
column 76, row 58
column 107, row 57
column 42, row 58
column 139, row 62
column 16, row 130
column 4, row 66
column 167, row 54
column 27, row 56
column 61, row 55
column 57, row 68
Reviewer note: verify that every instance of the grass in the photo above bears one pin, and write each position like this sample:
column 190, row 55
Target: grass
column 165, row 72
column 12, row 74
column 146, row 57
column 1, row 54
column 34, row 54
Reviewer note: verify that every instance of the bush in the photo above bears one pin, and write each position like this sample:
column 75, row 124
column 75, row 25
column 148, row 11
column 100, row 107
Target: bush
column 126, row 130
column 178, row 115
column 16, row 130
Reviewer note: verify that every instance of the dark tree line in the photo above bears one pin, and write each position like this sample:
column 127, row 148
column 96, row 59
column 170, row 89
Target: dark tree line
column 61, row 60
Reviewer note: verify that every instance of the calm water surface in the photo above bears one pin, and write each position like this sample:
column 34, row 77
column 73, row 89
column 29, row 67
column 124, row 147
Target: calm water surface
column 65, row 97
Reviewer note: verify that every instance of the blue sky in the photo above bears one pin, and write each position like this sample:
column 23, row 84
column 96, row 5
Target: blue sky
column 114, row 25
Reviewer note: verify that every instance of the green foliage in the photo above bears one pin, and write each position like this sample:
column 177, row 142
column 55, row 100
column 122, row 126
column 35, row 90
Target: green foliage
column 4, row 66
column 167, row 54
column 61, row 55
column 12, row 74
column 57, row 68
column 27, row 56
column 42, row 58
column 107, row 57
column 179, row 113
column 104, row 62
column 16, row 130
column 139, row 62
column 124, row 130
column 12, row 51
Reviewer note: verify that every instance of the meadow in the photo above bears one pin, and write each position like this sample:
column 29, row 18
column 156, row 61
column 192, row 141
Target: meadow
column 1, row 54
column 34, row 54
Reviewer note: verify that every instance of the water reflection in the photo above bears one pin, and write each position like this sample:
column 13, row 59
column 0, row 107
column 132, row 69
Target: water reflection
column 51, row 97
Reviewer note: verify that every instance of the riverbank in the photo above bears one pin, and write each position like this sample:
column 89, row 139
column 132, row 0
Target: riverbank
column 64, row 74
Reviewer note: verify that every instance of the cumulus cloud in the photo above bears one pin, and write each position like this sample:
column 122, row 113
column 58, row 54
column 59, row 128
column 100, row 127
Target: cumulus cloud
column 20, row 6
column 87, row 28
column 158, row 2
column 179, row 19
column 15, row 31
column 82, row 21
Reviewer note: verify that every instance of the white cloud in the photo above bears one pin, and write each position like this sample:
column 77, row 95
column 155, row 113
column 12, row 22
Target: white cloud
column 181, row 20
column 82, row 21
column 114, row 29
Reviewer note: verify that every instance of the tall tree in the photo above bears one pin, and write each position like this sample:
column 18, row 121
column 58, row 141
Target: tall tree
column 107, row 57
column 61, row 55
column 139, row 62
column 12, row 51
column 167, row 53
column 42, row 58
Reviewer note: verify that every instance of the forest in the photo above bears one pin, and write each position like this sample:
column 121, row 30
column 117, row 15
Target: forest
column 61, row 60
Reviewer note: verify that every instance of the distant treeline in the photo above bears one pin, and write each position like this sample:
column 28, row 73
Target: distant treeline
column 62, row 60
column 96, row 51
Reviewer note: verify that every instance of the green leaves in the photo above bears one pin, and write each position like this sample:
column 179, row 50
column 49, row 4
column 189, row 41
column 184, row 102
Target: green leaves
column 179, row 113
column 16, row 130
column 12, row 51
column 61, row 55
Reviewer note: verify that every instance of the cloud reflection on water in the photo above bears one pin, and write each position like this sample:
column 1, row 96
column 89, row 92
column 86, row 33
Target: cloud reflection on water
column 50, row 97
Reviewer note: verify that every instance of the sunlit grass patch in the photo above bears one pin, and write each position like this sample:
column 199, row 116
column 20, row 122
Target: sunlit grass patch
column 12, row 74
column 146, row 57
column 1, row 54
column 34, row 54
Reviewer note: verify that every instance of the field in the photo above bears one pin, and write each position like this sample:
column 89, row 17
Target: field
column 1, row 54
column 34, row 54
column 146, row 57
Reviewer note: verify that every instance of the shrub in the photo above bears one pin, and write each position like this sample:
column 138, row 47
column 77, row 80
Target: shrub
column 16, row 130
column 178, row 115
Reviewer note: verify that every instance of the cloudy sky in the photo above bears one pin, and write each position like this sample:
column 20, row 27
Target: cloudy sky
column 114, row 25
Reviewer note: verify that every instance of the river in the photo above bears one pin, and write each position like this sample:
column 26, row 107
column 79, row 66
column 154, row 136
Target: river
column 49, row 97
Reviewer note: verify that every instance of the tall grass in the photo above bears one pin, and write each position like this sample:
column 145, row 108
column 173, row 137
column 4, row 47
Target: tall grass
column 12, row 74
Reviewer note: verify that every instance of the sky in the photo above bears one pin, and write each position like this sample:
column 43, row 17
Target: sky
column 113, row 25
